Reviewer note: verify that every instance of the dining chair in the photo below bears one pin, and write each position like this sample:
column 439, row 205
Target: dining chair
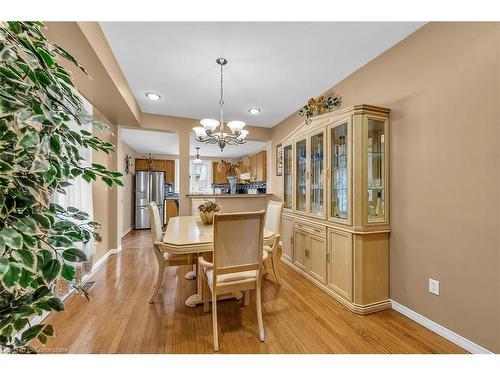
column 274, row 215
column 164, row 259
column 236, row 262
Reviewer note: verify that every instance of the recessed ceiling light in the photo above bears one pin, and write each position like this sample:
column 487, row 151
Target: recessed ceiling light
column 153, row 96
column 254, row 111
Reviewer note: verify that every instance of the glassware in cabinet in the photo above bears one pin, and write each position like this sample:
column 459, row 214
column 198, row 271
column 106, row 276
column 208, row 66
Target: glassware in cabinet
column 339, row 172
column 376, row 170
column 301, row 171
column 287, row 176
column 317, row 179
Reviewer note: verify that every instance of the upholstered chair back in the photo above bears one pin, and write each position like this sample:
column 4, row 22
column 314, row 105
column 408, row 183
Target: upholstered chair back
column 154, row 220
column 238, row 240
column 274, row 214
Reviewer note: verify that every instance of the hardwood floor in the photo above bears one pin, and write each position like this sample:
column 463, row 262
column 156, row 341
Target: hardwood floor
column 298, row 317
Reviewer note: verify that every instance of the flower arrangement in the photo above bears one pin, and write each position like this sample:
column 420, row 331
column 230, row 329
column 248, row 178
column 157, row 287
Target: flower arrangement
column 207, row 211
column 317, row 106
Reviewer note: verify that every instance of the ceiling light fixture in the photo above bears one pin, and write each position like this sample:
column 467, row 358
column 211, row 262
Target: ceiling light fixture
column 153, row 96
column 207, row 132
column 197, row 159
column 254, row 111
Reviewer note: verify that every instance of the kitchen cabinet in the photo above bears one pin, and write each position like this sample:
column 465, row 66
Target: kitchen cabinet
column 336, row 192
column 170, row 171
column 158, row 165
column 219, row 177
column 171, row 209
column 258, row 166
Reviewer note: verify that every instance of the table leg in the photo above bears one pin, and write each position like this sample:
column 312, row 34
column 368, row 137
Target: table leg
column 191, row 274
column 197, row 299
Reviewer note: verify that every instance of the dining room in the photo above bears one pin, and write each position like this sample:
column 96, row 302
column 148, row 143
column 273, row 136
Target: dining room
column 249, row 186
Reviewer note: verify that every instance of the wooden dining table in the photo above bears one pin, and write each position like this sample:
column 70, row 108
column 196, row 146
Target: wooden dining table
column 187, row 235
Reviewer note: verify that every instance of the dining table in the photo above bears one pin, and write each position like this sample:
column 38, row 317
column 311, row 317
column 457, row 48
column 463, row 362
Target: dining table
column 188, row 235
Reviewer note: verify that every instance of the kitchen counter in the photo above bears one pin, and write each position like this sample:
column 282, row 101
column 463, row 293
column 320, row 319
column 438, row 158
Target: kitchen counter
column 231, row 202
column 228, row 195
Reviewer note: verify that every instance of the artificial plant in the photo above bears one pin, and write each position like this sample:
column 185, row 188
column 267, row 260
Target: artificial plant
column 39, row 155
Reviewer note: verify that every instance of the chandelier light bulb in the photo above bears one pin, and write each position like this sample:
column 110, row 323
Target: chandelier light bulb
column 236, row 126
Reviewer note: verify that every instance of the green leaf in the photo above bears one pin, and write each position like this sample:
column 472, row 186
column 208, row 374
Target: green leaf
column 74, row 255
column 32, row 332
column 48, row 60
column 12, row 238
column 12, row 275
column 4, row 266
column 55, row 144
column 50, row 270
column 29, row 140
column 68, row 272
column 26, row 225
column 55, row 304
column 60, row 241
column 63, row 225
column 20, row 323
column 26, row 278
column 25, row 310
column 44, row 256
column 41, row 292
column 25, row 257
column 50, row 175
column 48, row 330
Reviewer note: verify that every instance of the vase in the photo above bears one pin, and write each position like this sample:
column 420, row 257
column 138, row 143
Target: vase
column 232, row 184
column 207, row 217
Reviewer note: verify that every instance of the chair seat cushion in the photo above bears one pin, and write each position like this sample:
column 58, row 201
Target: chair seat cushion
column 230, row 277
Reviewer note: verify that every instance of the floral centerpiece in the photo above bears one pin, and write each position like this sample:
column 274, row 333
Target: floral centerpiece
column 207, row 211
column 319, row 105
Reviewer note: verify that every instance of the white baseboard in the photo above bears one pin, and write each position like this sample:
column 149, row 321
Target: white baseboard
column 95, row 267
column 126, row 231
column 440, row 330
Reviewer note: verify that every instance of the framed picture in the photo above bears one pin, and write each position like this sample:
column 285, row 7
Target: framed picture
column 279, row 160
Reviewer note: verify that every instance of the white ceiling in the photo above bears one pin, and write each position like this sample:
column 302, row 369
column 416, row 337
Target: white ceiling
column 275, row 66
column 146, row 141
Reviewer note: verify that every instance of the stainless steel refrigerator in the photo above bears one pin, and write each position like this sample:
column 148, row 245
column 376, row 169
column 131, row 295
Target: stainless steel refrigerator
column 149, row 187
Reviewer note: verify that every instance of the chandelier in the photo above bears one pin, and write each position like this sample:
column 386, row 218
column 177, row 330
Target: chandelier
column 212, row 131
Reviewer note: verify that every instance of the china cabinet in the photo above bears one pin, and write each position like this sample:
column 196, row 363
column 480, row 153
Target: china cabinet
column 336, row 218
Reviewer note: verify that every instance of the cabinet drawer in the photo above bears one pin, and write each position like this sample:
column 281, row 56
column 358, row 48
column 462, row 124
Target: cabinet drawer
column 317, row 230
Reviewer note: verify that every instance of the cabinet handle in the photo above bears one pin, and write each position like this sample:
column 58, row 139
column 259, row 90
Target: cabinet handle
column 307, row 253
column 328, row 257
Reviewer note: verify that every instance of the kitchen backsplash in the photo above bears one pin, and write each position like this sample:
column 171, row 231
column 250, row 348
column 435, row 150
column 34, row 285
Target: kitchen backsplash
column 261, row 187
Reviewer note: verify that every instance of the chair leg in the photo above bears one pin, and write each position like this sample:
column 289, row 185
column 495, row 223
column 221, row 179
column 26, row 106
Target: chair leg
column 206, row 293
column 246, row 297
column 214, row 322
column 258, row 301
column 161, row 270
column 275, row 266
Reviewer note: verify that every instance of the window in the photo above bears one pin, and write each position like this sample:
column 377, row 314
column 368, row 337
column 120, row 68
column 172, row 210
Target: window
column 200, row 177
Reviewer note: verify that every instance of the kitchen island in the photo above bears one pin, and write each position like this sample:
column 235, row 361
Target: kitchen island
column 231, row 202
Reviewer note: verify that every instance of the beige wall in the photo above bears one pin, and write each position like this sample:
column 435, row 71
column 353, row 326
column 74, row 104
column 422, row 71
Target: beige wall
column 104, row 197
column 442, row 85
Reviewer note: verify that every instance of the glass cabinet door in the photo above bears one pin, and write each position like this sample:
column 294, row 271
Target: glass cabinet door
column 339, row 178
column 376, row 170
column 301, row 170
column 287, row 175
column 317, row 181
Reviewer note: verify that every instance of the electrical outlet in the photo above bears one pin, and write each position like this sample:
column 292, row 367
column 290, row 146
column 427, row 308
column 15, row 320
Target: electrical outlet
column 434, row 287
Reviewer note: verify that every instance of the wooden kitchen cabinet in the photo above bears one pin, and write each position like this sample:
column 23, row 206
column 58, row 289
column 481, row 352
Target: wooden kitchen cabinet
column 158, row 165
column 141, row 165
column 219, row 177
column 170, row 171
